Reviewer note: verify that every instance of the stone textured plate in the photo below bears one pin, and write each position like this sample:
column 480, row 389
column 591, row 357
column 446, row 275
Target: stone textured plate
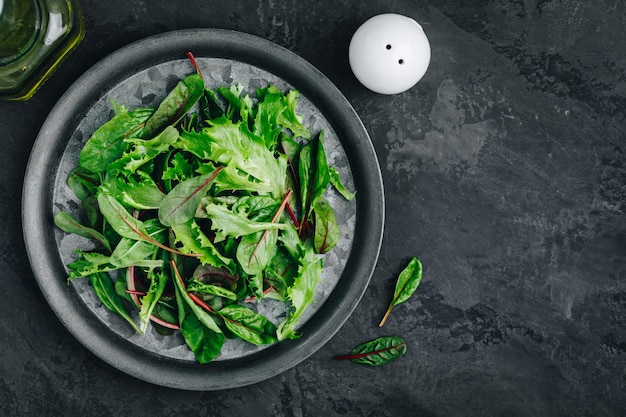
column 140, row 75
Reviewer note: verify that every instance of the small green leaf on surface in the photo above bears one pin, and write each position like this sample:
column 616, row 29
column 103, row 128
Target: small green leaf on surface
column 377, row 352
column 407, row 284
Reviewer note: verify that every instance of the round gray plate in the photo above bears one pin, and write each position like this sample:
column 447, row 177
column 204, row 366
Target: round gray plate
column 140, row 75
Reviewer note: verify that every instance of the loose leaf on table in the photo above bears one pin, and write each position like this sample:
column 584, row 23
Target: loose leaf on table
column 377, row 352
column 177, row 103
column 105, row 290
column 407, row 284
column 248, row 325
column 68, row 224
column 108, row 143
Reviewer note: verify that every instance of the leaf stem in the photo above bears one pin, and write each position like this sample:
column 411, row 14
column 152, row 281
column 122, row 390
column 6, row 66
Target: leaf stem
column 194, row 297
column 194, row 63
column 165, row 323
column 279, row 211
column 382, row 322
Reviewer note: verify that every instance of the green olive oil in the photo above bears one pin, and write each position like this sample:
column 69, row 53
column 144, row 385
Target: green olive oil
column 35, row 37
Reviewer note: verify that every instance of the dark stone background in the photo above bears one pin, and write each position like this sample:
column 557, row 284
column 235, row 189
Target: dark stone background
column 504, row 172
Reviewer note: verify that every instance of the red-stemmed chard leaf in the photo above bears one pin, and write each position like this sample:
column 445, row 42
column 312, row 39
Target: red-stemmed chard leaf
column 377, row 352
column 180, row 205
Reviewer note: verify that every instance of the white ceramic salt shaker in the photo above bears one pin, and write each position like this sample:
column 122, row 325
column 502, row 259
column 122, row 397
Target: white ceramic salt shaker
column 389, row 53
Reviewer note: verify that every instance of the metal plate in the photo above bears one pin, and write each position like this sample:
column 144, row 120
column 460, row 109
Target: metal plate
column 140, row 75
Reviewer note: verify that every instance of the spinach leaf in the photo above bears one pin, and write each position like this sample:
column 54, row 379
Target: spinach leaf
column 406, row 285
column 68, row 224
column 335, row 181
column 216, row 290
column 248, row 325
column 105, row 290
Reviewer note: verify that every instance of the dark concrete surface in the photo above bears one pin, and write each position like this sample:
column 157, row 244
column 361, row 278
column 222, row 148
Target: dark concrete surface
column 504, row 171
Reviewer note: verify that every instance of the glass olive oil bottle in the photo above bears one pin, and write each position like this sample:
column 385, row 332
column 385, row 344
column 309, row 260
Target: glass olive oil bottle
column 35, row 37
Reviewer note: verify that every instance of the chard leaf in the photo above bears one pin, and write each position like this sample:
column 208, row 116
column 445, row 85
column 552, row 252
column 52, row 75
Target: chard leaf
column 408, row 281
column 228, row 223
column 132, row 252
column 326, row 228
column 121, row 220
column 107, row 143
column 205, row 342
column 248, row 325
column 209, row 274
column 68, row 224
column 314, row 175
column 158, row 279
column 255, row 251
column 180, row 205
column 321, row 176
column 209, row 107
column 175, row 105
column 105, row 290
column 377, row 352
column 335, row 181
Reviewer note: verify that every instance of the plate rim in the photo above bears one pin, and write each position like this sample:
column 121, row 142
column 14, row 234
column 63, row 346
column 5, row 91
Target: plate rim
column 38, row 226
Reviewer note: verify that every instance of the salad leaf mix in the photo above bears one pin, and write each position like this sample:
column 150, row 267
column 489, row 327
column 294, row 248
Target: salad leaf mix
column 212, row 200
